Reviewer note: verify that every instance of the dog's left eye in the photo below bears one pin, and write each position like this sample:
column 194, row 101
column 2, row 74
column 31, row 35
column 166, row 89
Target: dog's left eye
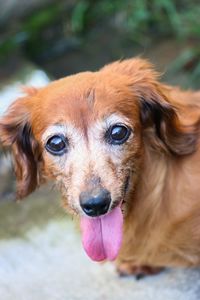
column 117, row 134
column 56, row 145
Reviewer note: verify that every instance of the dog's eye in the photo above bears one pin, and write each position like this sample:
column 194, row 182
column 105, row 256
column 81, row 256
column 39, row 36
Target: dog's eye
column 117, row 134
column 56, row 145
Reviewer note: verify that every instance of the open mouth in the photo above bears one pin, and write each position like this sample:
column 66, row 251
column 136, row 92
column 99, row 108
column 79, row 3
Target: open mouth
column 102, row 236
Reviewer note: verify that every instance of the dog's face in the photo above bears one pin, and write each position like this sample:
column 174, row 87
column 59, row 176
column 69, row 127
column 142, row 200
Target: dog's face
column 86, row 132
column 90, row 144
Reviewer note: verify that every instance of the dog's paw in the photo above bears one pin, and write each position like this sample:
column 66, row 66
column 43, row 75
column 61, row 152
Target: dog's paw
column 127, row 269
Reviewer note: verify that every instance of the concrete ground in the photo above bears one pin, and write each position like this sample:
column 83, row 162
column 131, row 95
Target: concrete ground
column 41, row 258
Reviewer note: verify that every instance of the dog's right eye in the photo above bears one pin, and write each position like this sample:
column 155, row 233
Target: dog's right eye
column 56, row 145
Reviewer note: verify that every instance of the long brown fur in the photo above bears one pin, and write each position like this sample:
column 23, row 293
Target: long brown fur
column 161, row 205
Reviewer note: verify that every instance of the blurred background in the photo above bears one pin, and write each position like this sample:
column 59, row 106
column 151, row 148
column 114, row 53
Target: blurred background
column 45, row 40
column 63, row 37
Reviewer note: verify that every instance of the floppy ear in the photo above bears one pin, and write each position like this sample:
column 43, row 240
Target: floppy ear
column 160, row 119
column 16, row 135
column 164, row 128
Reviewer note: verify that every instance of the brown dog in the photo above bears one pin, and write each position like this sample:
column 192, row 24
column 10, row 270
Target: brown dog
column 123, row 149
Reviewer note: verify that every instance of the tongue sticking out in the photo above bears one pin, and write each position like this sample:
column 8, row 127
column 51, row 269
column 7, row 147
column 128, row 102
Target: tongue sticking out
column 102, row 236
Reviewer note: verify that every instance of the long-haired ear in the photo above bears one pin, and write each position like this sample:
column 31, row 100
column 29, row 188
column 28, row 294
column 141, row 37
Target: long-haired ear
column 162, row 123
column 16, row 135
column 160, row 119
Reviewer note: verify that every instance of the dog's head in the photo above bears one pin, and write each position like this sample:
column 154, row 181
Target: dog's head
column 87, row 133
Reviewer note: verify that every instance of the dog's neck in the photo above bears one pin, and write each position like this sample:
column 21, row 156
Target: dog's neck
column 165, row 188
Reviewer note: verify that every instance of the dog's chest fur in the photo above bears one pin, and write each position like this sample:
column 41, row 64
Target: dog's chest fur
column 162, row 224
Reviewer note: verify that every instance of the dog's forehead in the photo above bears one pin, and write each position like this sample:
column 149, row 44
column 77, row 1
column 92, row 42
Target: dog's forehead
column 81, row 99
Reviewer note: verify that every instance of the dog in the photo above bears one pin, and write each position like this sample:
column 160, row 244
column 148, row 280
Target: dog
column 123, row 149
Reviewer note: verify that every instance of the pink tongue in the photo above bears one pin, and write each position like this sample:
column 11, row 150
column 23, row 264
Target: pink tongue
column 102, row 236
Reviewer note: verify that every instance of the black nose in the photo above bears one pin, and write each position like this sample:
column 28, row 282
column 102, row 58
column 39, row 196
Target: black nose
column 96, row 202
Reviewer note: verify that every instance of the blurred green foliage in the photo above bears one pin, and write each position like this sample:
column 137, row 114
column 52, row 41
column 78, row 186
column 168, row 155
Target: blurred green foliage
column 29, row 29
column 141, row 21
column 179, row 18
